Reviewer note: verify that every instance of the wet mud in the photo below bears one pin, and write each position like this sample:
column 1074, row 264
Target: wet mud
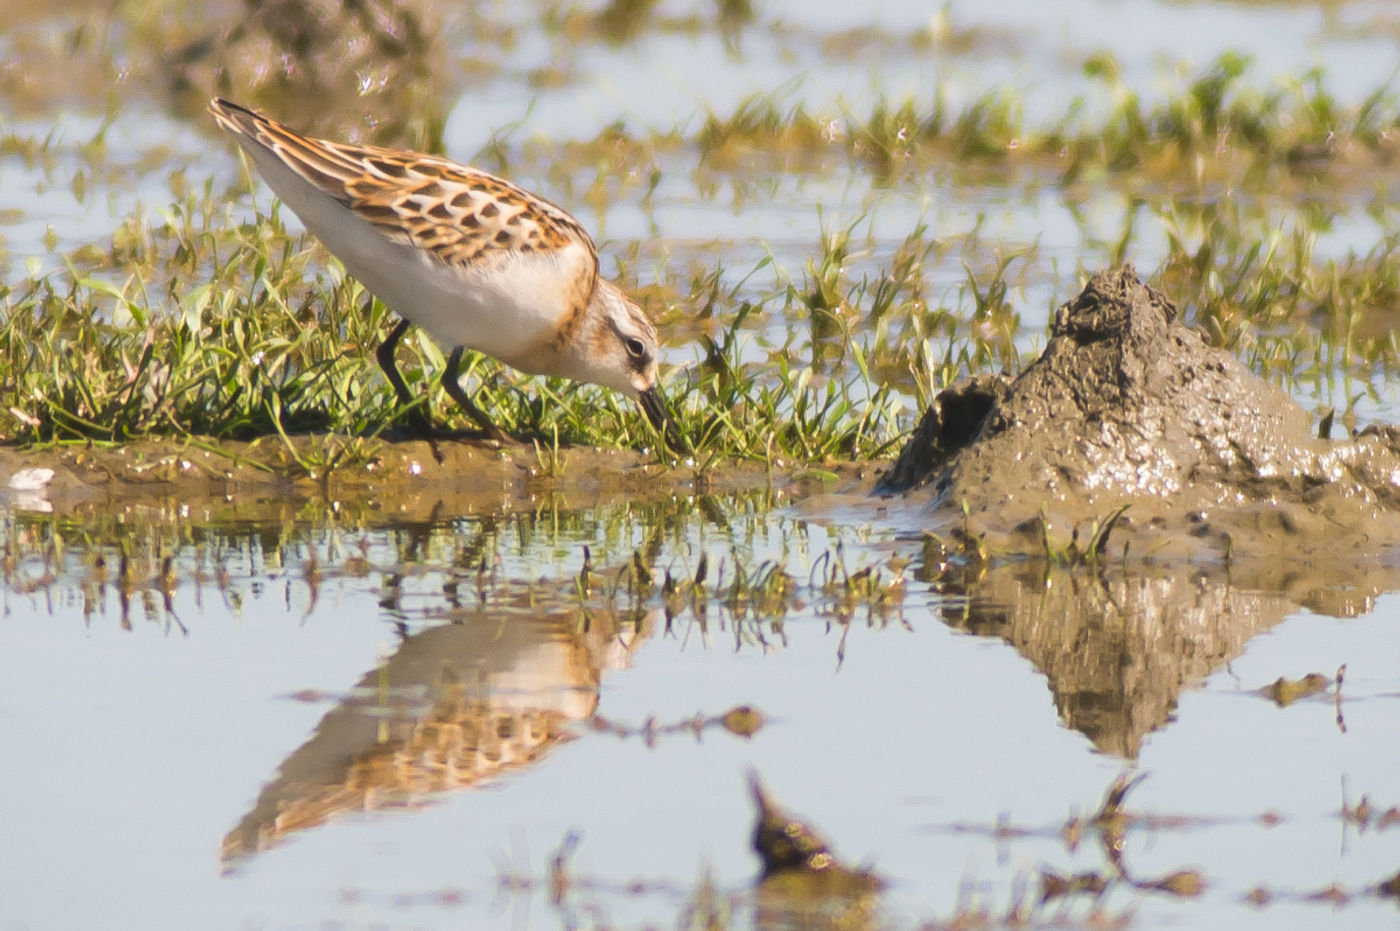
column 1128, row 407
column 401, row 480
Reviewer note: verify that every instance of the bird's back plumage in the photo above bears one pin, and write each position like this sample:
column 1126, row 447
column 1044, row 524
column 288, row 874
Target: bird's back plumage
column 519, row 269
column 451, row 210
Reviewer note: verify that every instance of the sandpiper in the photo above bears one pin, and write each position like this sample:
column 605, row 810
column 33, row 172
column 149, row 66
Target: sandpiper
column 473, row 259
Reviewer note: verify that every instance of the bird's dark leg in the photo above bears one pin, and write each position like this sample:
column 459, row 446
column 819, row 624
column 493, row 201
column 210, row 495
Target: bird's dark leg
column 454, row 389
column 385, row 355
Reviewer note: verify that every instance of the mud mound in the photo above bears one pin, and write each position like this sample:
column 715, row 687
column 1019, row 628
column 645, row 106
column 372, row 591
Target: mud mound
column 1127, row 406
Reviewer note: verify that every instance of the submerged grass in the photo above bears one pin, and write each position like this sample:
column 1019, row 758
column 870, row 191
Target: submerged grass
column 741, row 576
column 1217, row 128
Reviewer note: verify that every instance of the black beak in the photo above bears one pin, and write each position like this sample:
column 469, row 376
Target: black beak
column 655, row 409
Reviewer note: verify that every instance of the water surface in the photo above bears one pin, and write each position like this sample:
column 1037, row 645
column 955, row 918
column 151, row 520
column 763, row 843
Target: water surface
column 365, row 723
column 318, row 715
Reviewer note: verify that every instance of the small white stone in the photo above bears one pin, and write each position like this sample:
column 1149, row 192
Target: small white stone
column 30, row 479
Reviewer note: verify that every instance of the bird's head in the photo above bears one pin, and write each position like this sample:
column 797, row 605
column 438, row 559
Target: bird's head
column 621, row 352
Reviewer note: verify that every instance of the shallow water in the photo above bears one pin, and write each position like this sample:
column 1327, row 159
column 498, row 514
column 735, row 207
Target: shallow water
column 944, row 731
column 908, row 731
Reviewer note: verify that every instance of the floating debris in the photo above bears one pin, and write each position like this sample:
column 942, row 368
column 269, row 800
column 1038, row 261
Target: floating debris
column 742, row 721
column 802, row 883
column 1285, row 692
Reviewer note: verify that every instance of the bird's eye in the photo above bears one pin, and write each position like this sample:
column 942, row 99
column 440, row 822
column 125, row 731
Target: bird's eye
column 635, row 347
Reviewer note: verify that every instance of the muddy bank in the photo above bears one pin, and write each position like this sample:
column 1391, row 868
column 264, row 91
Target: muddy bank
column 404, row 480
column 1128, row 407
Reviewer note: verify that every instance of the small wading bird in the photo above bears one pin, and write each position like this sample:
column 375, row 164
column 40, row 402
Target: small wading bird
column 475, row 260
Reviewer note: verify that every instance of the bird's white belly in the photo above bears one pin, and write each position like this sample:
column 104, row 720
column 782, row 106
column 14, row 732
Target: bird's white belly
column 509, row 309
column 510, row 306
